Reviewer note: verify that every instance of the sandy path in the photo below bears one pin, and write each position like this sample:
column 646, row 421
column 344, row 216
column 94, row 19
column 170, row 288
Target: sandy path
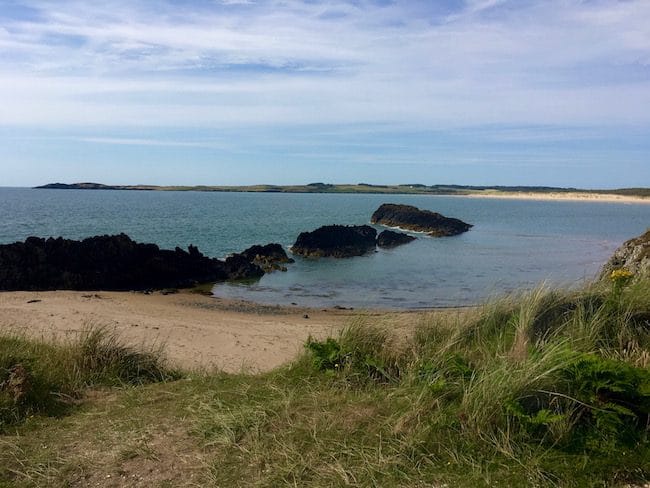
column 197, row 331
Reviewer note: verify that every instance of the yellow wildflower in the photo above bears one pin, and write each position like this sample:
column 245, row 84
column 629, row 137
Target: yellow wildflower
column 621, row 274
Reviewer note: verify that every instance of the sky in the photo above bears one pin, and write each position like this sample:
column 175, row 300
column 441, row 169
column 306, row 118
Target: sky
column 236, row 92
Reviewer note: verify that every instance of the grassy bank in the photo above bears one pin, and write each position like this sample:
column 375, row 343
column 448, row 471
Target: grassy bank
column 551, row 388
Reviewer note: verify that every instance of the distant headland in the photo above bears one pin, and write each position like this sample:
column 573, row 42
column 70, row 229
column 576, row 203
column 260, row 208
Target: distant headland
column 529, row 192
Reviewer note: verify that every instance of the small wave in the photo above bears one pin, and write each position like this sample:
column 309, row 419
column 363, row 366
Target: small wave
column 406, row 231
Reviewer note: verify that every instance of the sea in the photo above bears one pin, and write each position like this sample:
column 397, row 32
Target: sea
column 514, row 244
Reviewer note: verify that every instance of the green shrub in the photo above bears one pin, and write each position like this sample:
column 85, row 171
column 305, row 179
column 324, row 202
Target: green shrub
column 361, row 353
column 326, row 355
column 613, row 398
column 600, row 404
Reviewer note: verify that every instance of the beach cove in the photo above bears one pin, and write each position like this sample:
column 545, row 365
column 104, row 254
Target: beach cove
column 514, row 244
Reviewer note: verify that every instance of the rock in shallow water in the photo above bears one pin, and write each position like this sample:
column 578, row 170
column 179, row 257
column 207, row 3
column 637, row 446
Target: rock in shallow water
column 412, row 218
column 338, row 241
column 388, row 239
column 109, row 263
column 269, row 257
column 239, row 267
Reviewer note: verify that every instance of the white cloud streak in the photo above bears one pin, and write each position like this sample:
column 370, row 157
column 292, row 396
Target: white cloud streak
column 129, row 141
column 246, row 63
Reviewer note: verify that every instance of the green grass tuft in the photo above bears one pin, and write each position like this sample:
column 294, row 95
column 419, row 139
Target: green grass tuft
column 37, row 377
column 102, row 358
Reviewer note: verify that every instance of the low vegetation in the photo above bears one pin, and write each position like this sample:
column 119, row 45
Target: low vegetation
column 42, row 378
column 549, row 388
column 414, row 188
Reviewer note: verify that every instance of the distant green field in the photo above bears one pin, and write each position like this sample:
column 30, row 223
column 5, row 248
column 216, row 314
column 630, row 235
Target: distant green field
column 415, row 188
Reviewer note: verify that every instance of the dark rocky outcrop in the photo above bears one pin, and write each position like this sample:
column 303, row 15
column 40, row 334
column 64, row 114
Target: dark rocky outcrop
column 633, row 255
column 109, row 263
column 269, row 257
column 412, row 218
column 238, row 267
column 339, row 241
column 388, row 239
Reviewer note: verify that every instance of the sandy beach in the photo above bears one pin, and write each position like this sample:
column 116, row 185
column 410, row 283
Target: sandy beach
column 197, row 331
column 569, row 196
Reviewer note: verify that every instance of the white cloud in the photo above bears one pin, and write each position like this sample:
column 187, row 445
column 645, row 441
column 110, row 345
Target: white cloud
column 131, row 141
column 478, row 6
column 120, row 63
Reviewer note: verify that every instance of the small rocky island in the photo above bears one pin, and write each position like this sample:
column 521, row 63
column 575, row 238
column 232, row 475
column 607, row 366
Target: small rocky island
column 116, row 262
column 338, row 241
column 412, row 218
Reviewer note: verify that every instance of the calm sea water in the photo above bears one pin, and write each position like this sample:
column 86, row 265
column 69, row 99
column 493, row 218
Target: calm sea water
column 513, row 244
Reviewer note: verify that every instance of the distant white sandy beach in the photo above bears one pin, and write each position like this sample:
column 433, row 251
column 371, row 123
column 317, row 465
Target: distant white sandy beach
column 569, row 196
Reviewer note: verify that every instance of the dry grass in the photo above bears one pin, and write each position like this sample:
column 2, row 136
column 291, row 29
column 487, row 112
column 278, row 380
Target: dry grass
column 529, row 390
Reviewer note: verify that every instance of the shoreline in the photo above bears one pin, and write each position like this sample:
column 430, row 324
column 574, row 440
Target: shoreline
column 196, row 331
column 506, row 192
column 569, row 196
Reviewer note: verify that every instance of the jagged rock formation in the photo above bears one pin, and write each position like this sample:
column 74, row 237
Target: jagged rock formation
column 633, row 255
column 110, row 263
column 412, row 218
column 269, row 257
column 388, row 239
column 238, row 267
column 339, row 241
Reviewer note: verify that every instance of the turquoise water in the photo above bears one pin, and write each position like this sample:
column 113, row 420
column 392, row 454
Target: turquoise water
column 513, row 244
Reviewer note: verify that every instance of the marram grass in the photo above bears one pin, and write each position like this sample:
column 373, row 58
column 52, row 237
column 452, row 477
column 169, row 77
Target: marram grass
column 546, row 388
column 525, row 381
column 41, row 377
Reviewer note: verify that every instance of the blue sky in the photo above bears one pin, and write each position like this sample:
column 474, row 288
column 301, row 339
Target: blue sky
column 533, row 92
